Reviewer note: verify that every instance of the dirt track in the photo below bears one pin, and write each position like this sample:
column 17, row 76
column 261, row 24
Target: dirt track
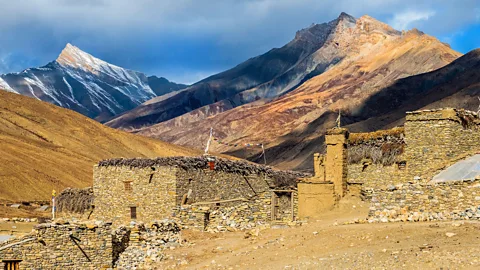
column 328, row 244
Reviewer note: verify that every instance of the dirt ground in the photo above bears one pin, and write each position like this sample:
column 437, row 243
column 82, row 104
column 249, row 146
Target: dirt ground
column 23, row 212
column 327, row 243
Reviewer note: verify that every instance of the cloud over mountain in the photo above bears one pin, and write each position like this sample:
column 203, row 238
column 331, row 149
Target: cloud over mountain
column 178, row 38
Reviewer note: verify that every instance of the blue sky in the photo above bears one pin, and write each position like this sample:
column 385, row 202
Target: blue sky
column 187, row 40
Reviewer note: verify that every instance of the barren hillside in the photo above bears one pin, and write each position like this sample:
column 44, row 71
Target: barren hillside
column 45, row 147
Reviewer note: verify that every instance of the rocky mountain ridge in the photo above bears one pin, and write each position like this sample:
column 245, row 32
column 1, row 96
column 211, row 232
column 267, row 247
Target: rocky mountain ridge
column 368, row 57
column 260, row 78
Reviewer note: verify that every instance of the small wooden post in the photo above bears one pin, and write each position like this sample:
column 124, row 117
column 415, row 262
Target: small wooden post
column 293, row 208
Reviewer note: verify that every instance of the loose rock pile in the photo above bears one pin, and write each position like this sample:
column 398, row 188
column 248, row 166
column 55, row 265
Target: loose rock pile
column 241, row 217
column 146, row 244
column 18, row 220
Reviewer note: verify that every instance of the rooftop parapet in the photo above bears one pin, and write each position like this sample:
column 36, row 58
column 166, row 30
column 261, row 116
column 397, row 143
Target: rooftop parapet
column 458, row 115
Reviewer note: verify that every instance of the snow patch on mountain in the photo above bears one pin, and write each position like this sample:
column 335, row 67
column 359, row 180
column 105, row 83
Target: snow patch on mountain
column 4, row 85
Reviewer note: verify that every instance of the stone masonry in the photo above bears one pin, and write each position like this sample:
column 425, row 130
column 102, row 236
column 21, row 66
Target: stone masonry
column 424, row 202
column 436, row 138
column 192, row 193
column 62, row 245
column 51, row 246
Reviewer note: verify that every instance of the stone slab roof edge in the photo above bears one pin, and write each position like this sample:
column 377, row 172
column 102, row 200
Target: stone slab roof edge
column 441, row 109
column 201, row 162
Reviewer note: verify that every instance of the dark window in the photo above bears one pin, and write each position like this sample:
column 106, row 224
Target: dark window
column 12, row 264
column 128, row 185
column 133, row 212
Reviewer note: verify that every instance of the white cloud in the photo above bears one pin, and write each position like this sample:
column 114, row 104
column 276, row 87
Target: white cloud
column 404, row 20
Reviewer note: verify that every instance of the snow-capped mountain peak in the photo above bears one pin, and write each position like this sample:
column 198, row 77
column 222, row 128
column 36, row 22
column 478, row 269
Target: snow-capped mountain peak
column 84, row 83
column 72, row 56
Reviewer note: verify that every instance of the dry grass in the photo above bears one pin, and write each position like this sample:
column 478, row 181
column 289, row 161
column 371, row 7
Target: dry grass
column 45, row 147
column 387, row 154
column 358, row 138
column 381, row 146
column 75, row 200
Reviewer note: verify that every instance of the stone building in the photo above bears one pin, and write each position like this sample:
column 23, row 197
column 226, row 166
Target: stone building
column 223, row 194
column 394, row 169
column 440, row 142
column 432, row 141
column 321, row 192
column 201, row 192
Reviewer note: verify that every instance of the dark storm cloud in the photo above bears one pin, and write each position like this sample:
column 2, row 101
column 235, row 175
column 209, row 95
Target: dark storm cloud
column 189, row 39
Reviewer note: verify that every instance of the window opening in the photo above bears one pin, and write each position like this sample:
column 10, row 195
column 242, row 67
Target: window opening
column 12, row 264
column 133, row 212
column 128, row 185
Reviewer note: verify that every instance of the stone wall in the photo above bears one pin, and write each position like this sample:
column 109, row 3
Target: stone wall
column 151, row 190
column 147, row 243
column 374, row 175
column 238, row 214
column 209, row 185
column 423, row 202
column 437, row 138
column 52, row 246
column 159, row 192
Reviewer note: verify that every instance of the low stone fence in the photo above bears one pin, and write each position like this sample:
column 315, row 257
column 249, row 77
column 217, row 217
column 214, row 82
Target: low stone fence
column 459, row 200
column 229, row 215
column 236, row 214
column 62, row 245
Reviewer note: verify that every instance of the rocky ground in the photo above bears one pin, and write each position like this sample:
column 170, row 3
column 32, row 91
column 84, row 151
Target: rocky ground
column 329, row 243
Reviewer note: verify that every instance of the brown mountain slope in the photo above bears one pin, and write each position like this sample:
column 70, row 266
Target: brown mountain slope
column 455, row 85
column 372, row 59
column 45, row 147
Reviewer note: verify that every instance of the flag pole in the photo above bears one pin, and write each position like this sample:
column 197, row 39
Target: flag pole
column 264, row 157
column 54, row 193
column 209, row 141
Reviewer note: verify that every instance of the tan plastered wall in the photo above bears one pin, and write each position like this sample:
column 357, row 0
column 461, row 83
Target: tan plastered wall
column 315, row 198
column 336, row 160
